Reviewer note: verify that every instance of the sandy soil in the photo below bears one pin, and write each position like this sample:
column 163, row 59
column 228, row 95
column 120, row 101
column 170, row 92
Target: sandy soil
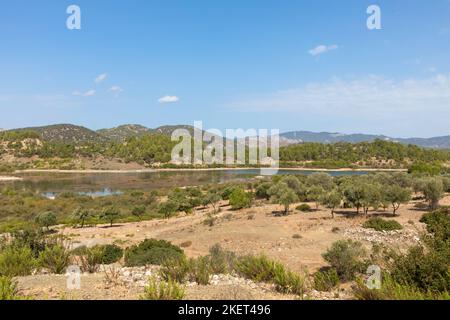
column 297, row 240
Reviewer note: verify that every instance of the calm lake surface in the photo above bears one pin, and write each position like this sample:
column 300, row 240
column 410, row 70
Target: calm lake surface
column 103, row 184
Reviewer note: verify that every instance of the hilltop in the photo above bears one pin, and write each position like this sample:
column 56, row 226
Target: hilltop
column 68, row 133
column 124, row 132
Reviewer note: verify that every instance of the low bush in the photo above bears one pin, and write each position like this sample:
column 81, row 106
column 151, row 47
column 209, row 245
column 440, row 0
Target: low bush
column 257, row 268
column 304, row 208
column 200, row 270
column 424, row 270
column 151, row 252
column 209, row 222
column 186, row 244
column 391, row 290
column 175, row 269
column 163, row 290
column 16, row 261
column 111, row 253
column 346, row 256
column 326, row 280
column 380, row 224
column 90, row 259
column 55, row 258
column 221, row 261
column 8, row 289
column 240, row 199
column 288, row 282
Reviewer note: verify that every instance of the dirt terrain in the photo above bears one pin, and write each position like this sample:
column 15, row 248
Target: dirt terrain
column 297, row 240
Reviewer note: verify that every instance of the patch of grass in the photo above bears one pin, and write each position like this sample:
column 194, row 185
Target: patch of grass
column 8, row 289
column 391, row 290
column 163, row 290
column 326, row 280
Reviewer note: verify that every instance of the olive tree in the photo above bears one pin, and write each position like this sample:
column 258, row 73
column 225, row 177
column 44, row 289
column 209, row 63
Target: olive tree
column 46, row 219
column 331, row 200
column 396, row 196
column 280, row 193
column 81, row 215
column 433, row 191
column 110, row 214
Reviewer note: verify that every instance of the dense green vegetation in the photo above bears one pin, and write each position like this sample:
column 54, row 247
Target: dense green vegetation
column 154, row 147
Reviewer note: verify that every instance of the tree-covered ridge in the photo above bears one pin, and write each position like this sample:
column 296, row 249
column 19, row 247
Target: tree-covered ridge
column 362, row 153
column 151, row 148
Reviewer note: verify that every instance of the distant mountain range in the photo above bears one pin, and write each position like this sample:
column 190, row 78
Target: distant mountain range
column 74, row 134
column 327, row 137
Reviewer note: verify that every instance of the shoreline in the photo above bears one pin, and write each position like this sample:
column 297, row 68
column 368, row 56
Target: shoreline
column 11, row 178
column 156, row 170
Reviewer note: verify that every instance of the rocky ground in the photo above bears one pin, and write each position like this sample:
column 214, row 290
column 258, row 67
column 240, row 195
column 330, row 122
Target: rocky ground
column 117, row 282
column 297, row 240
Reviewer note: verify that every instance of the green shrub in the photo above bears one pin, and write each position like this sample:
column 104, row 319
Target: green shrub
column 16, row 261
column 221, row 261
column 46, row 219
column 288, row 282
column 391, row 290
column 55, row 258
column 304, row 208
column 209, row 221
column 200, row 270
column 8, row 289
column 175, row 269
column 240, row 199
column 346, row 256
column 90, row 259
column 425, row 270
column 326, row 280
column 257, row 268
column 111, row 253
column 438, row 224
column 380, row 224
column 163, row 290
column 30, row 238
column 151, row 251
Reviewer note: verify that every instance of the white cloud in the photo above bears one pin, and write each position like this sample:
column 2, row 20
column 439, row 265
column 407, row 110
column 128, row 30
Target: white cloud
column 369, row 96
column 321, row 49
column 116, row 90
column 168, row 99
column 101, row 78
column 88, row 93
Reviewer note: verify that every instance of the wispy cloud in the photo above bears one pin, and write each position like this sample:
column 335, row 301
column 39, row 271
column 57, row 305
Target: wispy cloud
column 100, row 78
column 88, row 93
column 321, row 49
column 115, row 90
column 168, row 99
column 372, row 95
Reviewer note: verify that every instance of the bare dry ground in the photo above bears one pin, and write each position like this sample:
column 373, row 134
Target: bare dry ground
column 297, row 240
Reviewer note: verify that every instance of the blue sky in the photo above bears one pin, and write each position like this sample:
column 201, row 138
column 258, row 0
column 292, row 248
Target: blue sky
column 230, row 63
